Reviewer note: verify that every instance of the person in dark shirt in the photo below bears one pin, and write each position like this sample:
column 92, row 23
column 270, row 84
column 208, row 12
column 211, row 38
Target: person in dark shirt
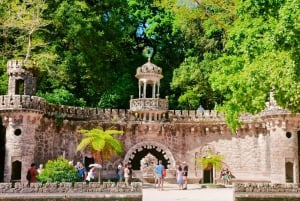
column 185, row 175
column 33, row 173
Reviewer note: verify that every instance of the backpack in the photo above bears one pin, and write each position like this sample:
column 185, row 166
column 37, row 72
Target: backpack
column 28, row 176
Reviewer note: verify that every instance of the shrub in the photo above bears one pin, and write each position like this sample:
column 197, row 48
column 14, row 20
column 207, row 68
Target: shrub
column 59, row 170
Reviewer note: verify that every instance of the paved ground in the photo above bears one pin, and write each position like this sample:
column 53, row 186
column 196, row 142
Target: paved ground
column 193, row 193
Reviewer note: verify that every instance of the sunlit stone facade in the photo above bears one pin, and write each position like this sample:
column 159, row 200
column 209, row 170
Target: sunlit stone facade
column 264, row 149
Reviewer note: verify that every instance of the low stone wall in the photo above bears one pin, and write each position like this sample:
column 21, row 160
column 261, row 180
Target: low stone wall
column 266, row 191
column 67, row 191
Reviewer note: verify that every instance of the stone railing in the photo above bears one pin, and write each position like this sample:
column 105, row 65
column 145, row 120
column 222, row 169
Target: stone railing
column 195, row 115
column 266, row 191
column 78, row 187
column 148, row 104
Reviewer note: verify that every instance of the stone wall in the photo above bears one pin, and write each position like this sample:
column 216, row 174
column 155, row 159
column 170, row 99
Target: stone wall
column 257, row 151
column 65, row 187
column 266, row 191
column 73, row 192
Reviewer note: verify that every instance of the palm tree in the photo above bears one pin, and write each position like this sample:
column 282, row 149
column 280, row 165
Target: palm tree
column 102, row 144
column 211, row 159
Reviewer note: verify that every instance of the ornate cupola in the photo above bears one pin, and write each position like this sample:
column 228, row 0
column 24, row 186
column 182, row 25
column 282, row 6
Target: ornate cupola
column 148, row 106
column 149, row 74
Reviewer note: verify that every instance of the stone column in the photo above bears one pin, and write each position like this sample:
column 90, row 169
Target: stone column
column 139, row 89
column 145, row 87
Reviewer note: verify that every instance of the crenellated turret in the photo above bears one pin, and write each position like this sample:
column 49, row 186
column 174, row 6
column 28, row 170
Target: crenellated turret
column 21, row 81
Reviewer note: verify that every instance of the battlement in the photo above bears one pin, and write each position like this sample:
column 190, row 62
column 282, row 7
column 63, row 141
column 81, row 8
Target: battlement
column 38, row 104
column 19, row 65
column 18, row 102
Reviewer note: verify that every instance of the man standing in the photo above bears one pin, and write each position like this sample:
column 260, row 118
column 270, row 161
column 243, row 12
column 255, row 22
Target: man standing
column 31, row 174
column 185, row 174
column 159, row 175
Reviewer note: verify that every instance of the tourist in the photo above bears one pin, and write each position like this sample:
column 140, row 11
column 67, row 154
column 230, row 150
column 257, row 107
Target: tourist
column 90, row 175
column 126, row 175
column 159, row 175
column 121, row 172
column 229, row 175
column 179, row 177
column 40, row 169
column 185, row 175
column 82, row 173
column 31, row 174
column 77, row 166
column 130, row 172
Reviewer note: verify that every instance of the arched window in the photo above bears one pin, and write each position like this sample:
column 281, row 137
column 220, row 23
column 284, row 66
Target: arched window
column 19, row 90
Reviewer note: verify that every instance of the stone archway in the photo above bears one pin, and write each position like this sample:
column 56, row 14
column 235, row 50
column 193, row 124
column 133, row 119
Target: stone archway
column 135, row 153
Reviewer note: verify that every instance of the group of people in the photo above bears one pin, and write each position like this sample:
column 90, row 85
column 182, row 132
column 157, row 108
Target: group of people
column 226, row 175
column 181, row 176
column 124, row 173
column 84, row 174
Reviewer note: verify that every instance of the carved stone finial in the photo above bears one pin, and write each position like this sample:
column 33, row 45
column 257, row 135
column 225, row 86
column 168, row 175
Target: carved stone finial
column 148, row 52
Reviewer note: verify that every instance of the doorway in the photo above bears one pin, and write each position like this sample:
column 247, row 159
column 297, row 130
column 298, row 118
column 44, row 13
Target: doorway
column 16, row 171
column 208, row 176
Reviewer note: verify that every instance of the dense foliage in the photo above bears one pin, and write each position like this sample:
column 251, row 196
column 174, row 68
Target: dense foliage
column 226, row 55
column 59, row 170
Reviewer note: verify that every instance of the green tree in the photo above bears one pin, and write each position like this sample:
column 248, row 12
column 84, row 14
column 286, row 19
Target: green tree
column 102, row 143
column 62, row 97
column 26, row 18
column 94, row 44
column 259, row 56
column 59, row 170
column 154, row 28
column 204, row 25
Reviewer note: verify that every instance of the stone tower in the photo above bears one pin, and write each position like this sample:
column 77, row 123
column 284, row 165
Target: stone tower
column 21, row 81
column 20, row 115
column 149, row 106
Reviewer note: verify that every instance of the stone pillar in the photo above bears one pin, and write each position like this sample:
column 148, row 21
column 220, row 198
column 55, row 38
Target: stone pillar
column 145, row 88
column 139, row 89
column 153, row 89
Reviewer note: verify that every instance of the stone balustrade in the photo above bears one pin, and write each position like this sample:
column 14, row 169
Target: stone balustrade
column 78, row 187
column 148, row 104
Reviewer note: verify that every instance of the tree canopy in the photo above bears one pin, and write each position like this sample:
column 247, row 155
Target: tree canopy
column 225, row 55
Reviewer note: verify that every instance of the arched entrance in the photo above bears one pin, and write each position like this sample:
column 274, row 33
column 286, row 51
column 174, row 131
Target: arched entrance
column 2, row 151
column 139, row 151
